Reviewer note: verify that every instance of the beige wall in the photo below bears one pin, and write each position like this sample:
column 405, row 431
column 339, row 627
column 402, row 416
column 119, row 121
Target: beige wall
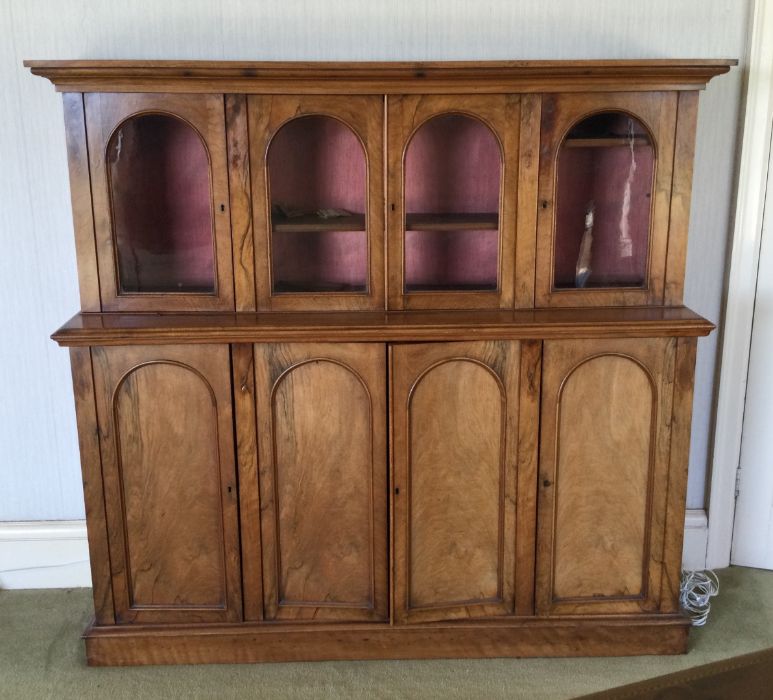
column 39, row 472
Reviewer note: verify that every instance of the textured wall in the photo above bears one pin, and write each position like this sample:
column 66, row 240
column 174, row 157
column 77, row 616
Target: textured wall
column 38, row 447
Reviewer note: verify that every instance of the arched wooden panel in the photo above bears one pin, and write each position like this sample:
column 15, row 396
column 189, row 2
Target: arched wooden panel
column 456, row 443
column 606, row 414
column 166, row 440
column 165, row 418
column 455, row 409
column 322, row 426
column 318, row 405
column 603, row 474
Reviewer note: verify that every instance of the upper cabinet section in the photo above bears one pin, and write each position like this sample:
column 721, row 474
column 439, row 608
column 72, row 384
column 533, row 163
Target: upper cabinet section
column 242, row 187
column 606, row 166
column 317, row 188
column 160, row 190
column 452, row 190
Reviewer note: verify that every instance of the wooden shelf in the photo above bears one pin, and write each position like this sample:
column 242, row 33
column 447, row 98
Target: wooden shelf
column 452, row 222
column 606, row 142
column 381, row 326
column 311, row 223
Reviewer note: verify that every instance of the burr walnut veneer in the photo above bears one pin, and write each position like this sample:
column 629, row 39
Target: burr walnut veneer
column 382, row 360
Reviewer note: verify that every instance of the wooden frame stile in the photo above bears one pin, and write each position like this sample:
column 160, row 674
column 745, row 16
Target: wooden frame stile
column 363, row 114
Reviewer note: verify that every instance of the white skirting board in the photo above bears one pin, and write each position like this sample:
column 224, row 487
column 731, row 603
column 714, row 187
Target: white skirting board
column 44, row 554
column 55, row 554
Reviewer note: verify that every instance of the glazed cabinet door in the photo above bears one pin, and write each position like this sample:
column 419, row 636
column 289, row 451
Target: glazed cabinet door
column 317, row 165
column 452, row 193
column 461, row 498
column 166, row 439
column 605, row 176
column 321, row 412
column 604, row 474
column 161, row 201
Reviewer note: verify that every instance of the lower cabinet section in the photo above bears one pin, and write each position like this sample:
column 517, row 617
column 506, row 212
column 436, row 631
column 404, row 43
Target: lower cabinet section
column 441, row 486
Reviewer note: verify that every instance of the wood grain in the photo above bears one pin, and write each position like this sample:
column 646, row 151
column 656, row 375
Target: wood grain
column 240, row 192
column 657, row 111
column 168, row 462
column 405, row 114
column 681, row 191
column 245, row 430
column 322, row 439
column 104, row 113
column 601, row 636
column 455, row 427
column 400, row 77
column 93, row 494
column 365, row 116
column 117, row 329
column 606, row 408
column 80, row 196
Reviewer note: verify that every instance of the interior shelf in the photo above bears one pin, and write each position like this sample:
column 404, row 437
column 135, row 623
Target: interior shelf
column 311, row 223
column 606, row 142
column 452, row 221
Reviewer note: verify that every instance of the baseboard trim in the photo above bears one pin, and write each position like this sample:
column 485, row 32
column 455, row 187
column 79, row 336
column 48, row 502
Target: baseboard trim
column 55, row 553
column 44, row 554
column 696, row 539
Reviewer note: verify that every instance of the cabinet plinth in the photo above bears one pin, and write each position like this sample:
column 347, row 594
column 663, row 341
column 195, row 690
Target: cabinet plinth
column 382, row 360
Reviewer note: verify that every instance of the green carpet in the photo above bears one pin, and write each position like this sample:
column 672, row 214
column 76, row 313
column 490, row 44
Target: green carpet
column 41, row 656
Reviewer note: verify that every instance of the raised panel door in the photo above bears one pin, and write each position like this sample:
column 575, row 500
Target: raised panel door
column 455, row 436
column 166, row 438
column 605, row 431
column 323, row 484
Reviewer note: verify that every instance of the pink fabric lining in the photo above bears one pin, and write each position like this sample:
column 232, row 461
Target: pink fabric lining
column 452, row 165
column 162, row 206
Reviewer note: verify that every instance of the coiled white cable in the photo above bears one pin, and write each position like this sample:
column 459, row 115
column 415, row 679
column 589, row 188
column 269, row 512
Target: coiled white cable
column 695, row 592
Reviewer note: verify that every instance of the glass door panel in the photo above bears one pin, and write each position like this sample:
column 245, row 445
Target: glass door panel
column 604, row 184
column 158, row 173
column 317, row 175
column 453, row 167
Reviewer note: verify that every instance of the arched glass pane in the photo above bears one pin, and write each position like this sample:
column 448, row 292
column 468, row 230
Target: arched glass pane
column 603, row 201
column 159, row 176
column 318, row 181
column 453, row 168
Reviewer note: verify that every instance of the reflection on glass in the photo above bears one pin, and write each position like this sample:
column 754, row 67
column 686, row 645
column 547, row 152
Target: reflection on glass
column 452, row 177
column 158, row 171
column 604, row 185
column 318, row 183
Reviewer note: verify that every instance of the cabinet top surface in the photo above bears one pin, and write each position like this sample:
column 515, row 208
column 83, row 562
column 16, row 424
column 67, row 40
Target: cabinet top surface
column 379, row 77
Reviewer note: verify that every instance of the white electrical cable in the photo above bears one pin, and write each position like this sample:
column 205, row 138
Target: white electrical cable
column 695, row 592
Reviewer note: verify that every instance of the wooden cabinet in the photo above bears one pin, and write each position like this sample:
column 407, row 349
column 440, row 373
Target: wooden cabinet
column 382, row 360
column 166, row 440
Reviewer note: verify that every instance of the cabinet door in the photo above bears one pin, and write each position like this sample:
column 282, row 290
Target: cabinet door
column 606, row 163
column 161, row 207
column 323, row 491
column 166, row 437
column 452, row 192
column 317, row 185
column 455, row 435
column 606, row 412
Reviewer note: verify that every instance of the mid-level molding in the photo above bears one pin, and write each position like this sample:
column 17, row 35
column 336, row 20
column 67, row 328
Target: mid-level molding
column 386, row 326
column 299, row 77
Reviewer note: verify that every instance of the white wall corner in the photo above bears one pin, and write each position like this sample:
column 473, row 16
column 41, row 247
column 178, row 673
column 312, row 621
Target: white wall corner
column 696, row 537
column 44, row 554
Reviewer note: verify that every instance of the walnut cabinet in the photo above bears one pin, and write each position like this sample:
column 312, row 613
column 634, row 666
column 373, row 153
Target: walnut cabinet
column 382, row 360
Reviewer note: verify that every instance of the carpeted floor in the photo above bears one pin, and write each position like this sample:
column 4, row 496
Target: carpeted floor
column 41, row 656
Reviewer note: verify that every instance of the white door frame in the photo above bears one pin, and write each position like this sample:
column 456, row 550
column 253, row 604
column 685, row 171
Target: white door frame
column 744, row 262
